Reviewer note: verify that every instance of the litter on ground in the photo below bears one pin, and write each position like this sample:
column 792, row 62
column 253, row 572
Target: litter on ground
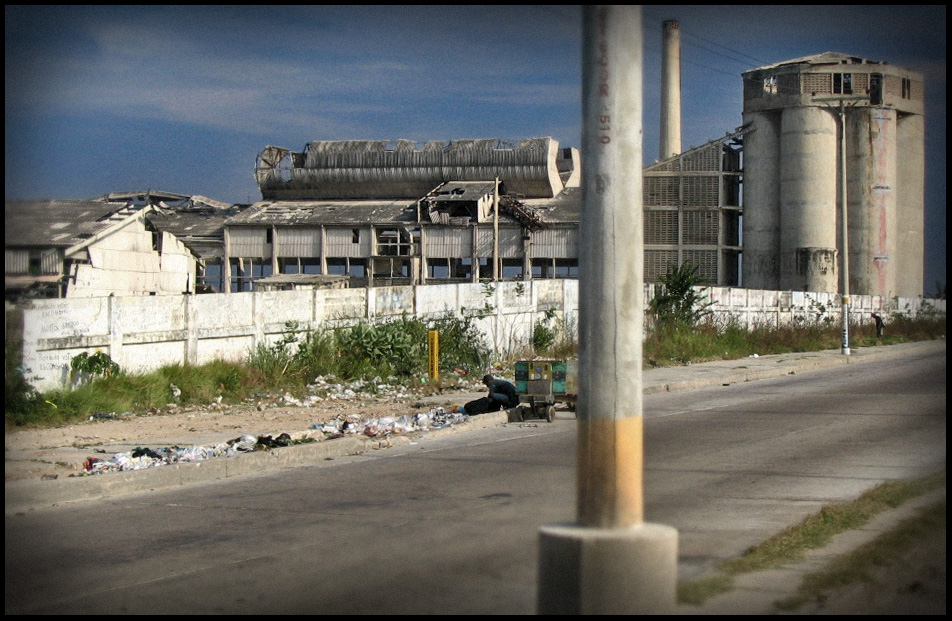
column 141, row 458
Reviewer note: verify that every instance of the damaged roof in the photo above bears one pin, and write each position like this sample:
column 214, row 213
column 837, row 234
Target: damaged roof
column 564, row 208
column 60, row 223
column 825, row 58
column 193, row 223
column 380, row 169
column 462, row 191
column 291, row 213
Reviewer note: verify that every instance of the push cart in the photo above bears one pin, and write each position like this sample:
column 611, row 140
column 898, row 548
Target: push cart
column 543, row 383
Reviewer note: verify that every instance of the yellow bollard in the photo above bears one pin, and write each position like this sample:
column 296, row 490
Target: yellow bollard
column 434, row 358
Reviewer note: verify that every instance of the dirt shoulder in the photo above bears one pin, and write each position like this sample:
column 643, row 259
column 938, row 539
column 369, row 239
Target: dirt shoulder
column 62, row 451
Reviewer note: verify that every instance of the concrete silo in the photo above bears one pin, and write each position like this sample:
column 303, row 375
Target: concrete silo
column 793, row 158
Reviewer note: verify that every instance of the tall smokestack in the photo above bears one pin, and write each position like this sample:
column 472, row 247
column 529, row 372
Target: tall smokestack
column 670, row 89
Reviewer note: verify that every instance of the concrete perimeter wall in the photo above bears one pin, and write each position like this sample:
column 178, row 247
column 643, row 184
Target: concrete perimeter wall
column 144, row 333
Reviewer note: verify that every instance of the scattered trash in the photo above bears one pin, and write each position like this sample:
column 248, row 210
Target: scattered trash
column 754, row 356
column 144, row 457
column 376, row 427
column 140, row 458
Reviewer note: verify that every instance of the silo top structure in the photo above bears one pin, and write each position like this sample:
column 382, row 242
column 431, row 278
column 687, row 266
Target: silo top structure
column 818, row 129
column 799, row 82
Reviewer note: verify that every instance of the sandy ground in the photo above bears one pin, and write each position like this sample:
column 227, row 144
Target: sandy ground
column 61, row 451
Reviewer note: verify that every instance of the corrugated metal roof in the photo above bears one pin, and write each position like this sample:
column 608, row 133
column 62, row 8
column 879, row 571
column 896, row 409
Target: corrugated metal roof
column 565, row 208
column 193, row 223
column 468, row 191
column 661, row 164
column 59, row 223
column 377, row 169
column 293, row 213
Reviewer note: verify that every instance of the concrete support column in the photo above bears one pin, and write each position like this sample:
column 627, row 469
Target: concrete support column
column 191, row 331
column 808, row 200
column 114, row 306
column 761, row 265
column 610, row 561
column 910, row 184
column 871, row 175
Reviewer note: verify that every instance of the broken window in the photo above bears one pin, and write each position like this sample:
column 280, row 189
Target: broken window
column 288, row 266
column 770, row 85
column 554, row 268
column 437, row 268
column 210, row 275
column 906, row 88
column 876, row 89
column 244, row 271
column 393, row 242
column 389, row 268
column 843, row 83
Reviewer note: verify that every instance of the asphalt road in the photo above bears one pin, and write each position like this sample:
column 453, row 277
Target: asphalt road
column 450, row 525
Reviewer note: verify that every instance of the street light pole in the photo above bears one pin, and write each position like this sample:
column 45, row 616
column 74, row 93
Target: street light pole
column 845, row 289
column 845, row 242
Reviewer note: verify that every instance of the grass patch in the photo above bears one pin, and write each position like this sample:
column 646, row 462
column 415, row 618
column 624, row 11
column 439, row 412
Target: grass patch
column 813, row 532
column 855, row 567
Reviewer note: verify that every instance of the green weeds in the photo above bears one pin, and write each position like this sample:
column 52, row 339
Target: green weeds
column 815, row 532
column 398, row 349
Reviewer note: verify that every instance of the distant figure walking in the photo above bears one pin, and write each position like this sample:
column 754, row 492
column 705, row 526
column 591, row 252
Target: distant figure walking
column 880, row 325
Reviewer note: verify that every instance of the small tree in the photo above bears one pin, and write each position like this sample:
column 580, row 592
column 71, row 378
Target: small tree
column 83, row 366
column 680, row 303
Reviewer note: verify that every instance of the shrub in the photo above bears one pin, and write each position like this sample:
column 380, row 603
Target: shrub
column 680, row 302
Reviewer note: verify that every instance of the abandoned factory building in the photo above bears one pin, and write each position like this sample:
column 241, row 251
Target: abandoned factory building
column 373, row 213
column 91, row 248
column 392, row 213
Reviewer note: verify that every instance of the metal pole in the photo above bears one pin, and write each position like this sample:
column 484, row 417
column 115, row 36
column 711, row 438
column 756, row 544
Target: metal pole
column 497, row 273
column 845, row 262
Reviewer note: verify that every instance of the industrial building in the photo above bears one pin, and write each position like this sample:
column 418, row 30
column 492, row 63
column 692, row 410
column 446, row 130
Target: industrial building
column 390, row 213
column 820, row 128
column 692, row 212
column 91, row 248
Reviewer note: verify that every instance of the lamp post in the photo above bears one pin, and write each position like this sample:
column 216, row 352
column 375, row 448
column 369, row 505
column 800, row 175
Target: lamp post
column 845, row 289
column 845, row 242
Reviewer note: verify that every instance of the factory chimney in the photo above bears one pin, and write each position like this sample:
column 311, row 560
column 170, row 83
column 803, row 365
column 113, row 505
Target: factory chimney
column 670, row 89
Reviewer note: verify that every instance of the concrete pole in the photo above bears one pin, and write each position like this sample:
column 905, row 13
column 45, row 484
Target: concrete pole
column 670, row 89
column 845, row 309
column 610, row 561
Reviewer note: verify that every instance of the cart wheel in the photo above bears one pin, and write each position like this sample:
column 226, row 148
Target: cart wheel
column 519, row 413
column 550, row 413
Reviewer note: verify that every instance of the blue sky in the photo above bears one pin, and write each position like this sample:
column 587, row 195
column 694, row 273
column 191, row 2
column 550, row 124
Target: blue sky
column 182, row 99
